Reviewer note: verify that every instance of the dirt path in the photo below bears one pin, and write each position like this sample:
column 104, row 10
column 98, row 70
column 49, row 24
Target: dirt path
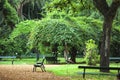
column 24, row 72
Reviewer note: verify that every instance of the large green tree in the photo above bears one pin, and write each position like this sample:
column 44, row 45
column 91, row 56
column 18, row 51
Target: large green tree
column 109, row 12
column 66, row 31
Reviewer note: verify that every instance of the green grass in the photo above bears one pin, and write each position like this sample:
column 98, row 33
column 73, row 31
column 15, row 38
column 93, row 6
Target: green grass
column 68, row 70
column 32, row 60
column 72, row 71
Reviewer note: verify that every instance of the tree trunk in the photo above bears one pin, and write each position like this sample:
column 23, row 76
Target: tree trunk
column 73, row 54
column 73, row 57
column 105, row 45
column 19, row 10
column 66, row 53
column 109, row 12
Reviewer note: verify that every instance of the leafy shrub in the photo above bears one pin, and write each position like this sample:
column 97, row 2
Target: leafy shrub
column 91, row 53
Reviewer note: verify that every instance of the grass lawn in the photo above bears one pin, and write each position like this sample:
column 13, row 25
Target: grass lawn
column 69, row 70
column 72, row 71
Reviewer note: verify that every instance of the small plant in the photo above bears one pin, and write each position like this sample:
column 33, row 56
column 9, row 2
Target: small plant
column 91, row 53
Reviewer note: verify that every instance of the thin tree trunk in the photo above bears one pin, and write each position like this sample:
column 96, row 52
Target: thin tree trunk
column 66, row 53
column 19, row 10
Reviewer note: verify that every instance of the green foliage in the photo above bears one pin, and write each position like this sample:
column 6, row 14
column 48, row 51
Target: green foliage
column 115, row 41
column 20, row 34
column 57, row 15
column 8, row 19
column 23, row 27
column 91, row 53
column 73, row 7
column 10, row 14
column 52, row 31
column 20, row 45
column 89, row 28
column 71, row 21
column 59, row 28
column 6, row 47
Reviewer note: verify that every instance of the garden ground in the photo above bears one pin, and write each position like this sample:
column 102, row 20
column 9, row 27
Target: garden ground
column 24, row 72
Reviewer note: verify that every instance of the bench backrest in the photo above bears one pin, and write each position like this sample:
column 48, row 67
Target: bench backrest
column 7, row 56
column 43, row 60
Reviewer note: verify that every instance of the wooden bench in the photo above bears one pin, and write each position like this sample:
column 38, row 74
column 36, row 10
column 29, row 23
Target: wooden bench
column 40, row 65
column 51, row 59
column 8, row 57
column 97, row 67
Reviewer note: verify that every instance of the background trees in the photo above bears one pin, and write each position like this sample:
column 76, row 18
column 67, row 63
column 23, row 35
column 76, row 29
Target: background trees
column 59, row 32
column 65, row 24
column 8, row 19
column 28, row 9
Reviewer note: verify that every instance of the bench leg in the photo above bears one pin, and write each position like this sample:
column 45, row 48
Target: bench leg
column 12, row 62
column 43, row 68
column 34, row 69
column 84, row 73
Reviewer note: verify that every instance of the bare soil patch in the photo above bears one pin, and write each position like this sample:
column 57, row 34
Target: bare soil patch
column 24, row 72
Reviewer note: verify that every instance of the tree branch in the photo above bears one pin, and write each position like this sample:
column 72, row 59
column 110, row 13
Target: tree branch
column 101, row 5
column 113, row 8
